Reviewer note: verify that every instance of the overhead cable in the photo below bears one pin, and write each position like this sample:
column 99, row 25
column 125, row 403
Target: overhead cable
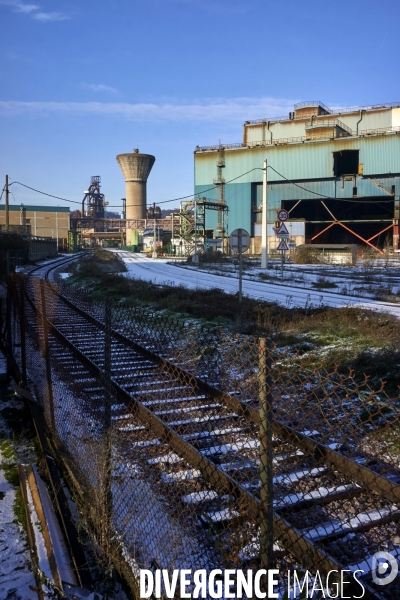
column 131, row 205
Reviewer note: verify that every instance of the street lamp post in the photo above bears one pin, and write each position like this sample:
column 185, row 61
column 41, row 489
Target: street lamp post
column 264, row 232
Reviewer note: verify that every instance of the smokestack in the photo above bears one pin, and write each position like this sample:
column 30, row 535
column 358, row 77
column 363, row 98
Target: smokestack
column 136, row 168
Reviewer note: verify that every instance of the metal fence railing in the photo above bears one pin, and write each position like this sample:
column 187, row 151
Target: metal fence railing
column 201, row 449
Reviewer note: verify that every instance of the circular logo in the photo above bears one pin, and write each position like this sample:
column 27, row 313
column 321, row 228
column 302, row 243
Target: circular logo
column 384, row 568
column 283, row 214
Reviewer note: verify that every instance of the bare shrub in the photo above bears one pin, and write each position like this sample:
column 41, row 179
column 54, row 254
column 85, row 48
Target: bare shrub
column 306, row 254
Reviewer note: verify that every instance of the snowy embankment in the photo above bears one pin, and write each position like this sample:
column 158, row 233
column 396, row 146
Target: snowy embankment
column 158, row 271
column 15, row 565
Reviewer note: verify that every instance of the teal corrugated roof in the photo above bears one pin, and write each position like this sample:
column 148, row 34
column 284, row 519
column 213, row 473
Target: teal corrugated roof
column 37, row 208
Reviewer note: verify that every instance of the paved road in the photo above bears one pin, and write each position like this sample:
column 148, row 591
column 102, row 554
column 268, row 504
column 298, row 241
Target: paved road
column 158, row 271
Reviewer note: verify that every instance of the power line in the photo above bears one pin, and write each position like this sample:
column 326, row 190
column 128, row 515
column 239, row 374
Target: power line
column 211, row 188
column 44, row 193
column 299, row 186
column 130, row 205
column 203, row 192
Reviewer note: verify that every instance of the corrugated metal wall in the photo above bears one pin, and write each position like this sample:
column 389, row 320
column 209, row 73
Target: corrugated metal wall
column 309, row 163
column 295, row 128
column 300, row 162
column 308, row 160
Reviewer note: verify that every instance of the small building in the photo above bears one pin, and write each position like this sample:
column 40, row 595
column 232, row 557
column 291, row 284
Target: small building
column 39, row 221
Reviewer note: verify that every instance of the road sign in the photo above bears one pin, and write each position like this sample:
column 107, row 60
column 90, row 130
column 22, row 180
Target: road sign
column 239, row 240
column 283, row 246
column 282, row 231
column 283, row 214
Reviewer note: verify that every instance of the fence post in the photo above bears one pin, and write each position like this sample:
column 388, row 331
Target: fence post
column 107, row 361
column 8, row 314
column 107, row 422
column 266, row 455
column 46, row 352
column 22, row 327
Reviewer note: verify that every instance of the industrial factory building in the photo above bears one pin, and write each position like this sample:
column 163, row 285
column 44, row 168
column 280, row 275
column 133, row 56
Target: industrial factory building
column 337, row 172
column 39, row 221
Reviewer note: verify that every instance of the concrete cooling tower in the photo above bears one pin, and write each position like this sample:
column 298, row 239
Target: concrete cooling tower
column 136, row 168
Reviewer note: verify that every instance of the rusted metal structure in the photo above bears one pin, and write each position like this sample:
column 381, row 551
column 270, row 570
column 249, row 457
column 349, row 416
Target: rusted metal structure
column 93, row 203
column 336, row 172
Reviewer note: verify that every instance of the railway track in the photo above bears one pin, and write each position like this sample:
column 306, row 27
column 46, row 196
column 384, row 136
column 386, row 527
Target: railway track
column 188, row 456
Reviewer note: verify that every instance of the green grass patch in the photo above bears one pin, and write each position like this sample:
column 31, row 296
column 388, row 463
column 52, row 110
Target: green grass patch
column 9, row 468
column 19, row 510
column 8, row 463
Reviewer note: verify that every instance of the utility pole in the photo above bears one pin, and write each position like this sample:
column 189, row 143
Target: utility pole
column 7, row 206
column 172, row 237
column 195, row 259
column 240, row 232
column 220, row 183
column 154, row 255
column 264, row 232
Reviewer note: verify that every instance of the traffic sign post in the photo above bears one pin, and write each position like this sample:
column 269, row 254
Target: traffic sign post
column 283, row 215
column 282, row 233
column 283, row 246
column 239, row 241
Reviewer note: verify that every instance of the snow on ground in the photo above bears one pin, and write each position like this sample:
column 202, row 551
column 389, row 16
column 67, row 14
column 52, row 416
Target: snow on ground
column 159, row 271
column 15, row 567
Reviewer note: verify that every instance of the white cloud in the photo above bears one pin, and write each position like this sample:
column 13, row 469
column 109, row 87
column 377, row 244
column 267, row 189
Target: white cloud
column 51, row 16
column 233, row 109
column 25, row 8
column 34, row 11
column 100, row 87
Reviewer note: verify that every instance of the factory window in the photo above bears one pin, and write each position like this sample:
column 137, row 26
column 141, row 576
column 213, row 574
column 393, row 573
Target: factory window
column 345, row 162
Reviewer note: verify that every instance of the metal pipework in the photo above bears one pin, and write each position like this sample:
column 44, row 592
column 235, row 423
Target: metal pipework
column 136, row 168
column 359, row 121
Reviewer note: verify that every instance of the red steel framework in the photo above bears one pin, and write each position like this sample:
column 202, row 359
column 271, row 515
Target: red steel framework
column 356, row 234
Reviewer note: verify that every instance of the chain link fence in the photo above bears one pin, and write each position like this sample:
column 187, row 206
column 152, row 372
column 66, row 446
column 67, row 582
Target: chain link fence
column 193, row 448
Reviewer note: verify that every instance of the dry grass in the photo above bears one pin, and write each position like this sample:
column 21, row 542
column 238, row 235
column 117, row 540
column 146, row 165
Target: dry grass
column 349, row 338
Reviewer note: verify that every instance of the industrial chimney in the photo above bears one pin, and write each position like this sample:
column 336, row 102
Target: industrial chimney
column 136, row 168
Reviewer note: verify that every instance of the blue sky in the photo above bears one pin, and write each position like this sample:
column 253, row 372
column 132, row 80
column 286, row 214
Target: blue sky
column 84, row 81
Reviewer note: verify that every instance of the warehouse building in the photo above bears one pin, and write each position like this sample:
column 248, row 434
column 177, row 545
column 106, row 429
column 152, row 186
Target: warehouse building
column 337, row 172
column 39, row 221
